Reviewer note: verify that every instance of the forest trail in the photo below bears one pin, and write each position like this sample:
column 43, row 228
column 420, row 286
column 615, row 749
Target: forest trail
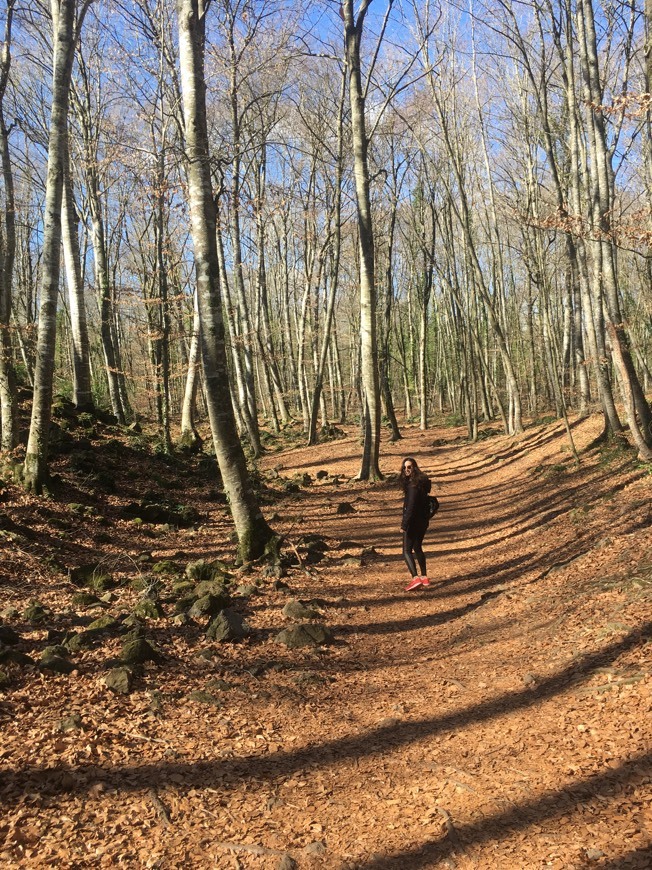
column 500, row 718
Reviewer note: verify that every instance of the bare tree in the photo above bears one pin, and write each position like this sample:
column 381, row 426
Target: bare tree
column 67, row 19
column 251, row 527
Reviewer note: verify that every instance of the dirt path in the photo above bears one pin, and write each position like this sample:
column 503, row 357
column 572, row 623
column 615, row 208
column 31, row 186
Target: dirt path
column 470, row 725
column 500, row 718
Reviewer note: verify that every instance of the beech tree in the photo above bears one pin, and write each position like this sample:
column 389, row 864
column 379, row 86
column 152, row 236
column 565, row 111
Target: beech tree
column 67, row 19
column 251, row 527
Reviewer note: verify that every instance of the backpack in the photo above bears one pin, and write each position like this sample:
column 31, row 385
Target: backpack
column 432, row 506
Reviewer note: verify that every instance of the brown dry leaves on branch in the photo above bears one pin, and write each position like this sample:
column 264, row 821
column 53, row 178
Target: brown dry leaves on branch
column 499, row 718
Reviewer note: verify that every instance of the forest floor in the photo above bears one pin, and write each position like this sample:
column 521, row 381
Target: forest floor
column 500, row 718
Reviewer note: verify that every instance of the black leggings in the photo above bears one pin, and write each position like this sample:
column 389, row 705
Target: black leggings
column 412, row 541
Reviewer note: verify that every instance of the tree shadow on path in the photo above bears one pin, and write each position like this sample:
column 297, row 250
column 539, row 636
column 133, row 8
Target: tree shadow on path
column 370, row 743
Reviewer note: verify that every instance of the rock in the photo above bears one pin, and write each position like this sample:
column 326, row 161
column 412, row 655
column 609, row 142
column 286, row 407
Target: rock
column 10, row 613
column 316, row 848
column 286, row 862
column 56, row 664
column 55, row 650
column 294, row 609
column 227, row 626
column 103, row 624
column 8, row 636
column 137, row 651
column 4, row 680
column 593, row 854
column 208, row 605
column 148, row 608
column 321, row 474
column 92, row 576
column 246, row 590
column 205, row 698
column 220, row 685
column 166, row 568
column 345, row 507
column 119, row 680
column 35, row 612
column 15, row 657
column 369, row 554
column 70, row 723
column 203, row 570
column 310, row 634
column 280, row 586
column 180, row 619
column 85, row 599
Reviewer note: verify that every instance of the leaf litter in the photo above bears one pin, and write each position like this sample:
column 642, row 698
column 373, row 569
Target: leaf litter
column 498, row 718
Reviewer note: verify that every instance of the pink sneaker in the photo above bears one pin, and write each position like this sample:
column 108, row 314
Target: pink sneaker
column 424, row 581
column 413, row 584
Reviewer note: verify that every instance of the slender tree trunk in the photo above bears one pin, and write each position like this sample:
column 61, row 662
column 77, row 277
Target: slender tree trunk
column 638, row 411
column 82, row 394
column 189, row 435
column 369, row 348
column 251, row 527
column 36, row 457
column 8, row 401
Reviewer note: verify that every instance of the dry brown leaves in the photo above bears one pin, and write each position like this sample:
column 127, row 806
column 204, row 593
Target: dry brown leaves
column 499, row 718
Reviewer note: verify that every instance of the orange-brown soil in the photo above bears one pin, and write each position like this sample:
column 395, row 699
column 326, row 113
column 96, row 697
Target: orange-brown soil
column 500, row 718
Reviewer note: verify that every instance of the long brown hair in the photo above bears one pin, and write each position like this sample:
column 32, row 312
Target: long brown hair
column 417, row 478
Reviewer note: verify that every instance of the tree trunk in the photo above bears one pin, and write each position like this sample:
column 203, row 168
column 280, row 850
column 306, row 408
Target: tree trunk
column 8, row 401
column 251, row 527
column 36, row 457
column 81, row 370
column 369, row 349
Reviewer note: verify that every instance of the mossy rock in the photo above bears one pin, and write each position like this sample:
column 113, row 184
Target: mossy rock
column 210, row 587
column 149, row 608
column 8, row 636
column 166, row 568
column 4, row 680
column 203, row 570
column 208, row 605
column 85, row 599
column 57, row 664
column 137, row 651
column 227, row 626
column 15, row 657
column 182, row 587
column 103, row 624
column 35, row 613
column 202, row 697
column 294, row 609
column 305, row 635
column 119, row 680
column 92, row 577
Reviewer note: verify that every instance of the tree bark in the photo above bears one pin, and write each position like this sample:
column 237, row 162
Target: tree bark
column 370, row 468
column 36, row 457
column 251, row 527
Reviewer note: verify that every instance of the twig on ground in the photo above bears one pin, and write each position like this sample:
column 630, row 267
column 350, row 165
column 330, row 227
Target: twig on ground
column 161, row 810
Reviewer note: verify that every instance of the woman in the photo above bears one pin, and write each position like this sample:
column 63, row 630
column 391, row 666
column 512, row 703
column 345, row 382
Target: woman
column 416, row 486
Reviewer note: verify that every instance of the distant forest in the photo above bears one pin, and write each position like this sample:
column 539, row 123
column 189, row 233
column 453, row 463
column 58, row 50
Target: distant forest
column 257, row 211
